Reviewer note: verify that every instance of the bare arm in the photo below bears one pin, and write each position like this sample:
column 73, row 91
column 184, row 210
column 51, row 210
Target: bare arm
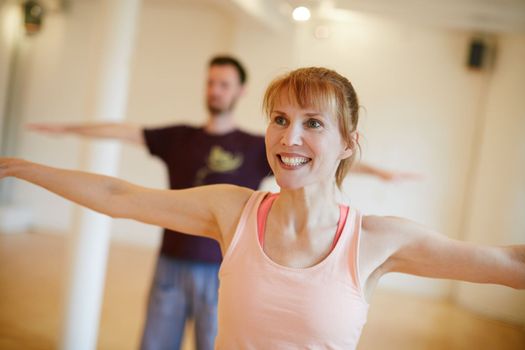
column 383, row 174
column 119, row 131
column 210, row 211
column 413, row 249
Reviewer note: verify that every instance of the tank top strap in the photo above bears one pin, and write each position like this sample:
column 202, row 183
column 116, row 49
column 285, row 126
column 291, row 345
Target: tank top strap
column 353, row 259
column 347, row 248
column 343, row 216
column 262, row 215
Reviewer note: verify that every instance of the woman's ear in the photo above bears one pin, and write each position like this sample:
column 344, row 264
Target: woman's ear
column 347, row 153
column 351, row 146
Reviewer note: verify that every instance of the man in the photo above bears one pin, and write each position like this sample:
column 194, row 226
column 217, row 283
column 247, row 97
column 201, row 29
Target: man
column 186, row 282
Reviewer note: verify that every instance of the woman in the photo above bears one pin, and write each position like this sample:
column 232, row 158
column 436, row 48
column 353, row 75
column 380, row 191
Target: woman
column 298, row 266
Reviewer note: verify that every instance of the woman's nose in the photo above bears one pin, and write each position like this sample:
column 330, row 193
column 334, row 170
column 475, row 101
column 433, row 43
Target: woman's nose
column 292, row 136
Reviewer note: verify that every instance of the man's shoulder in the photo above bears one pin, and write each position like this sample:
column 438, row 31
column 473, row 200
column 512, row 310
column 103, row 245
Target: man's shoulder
column 172, row 128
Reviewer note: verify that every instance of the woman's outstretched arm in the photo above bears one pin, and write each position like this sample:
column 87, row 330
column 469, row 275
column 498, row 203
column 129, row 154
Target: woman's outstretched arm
column 205, row 211
column 400, row 245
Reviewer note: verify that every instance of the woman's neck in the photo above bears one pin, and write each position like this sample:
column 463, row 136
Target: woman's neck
column 307, row 209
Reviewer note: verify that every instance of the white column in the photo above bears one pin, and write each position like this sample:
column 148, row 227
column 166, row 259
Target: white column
column 116, row 21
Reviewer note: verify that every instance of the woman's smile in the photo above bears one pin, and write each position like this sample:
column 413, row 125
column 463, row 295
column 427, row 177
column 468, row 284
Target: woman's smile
column 292, row 161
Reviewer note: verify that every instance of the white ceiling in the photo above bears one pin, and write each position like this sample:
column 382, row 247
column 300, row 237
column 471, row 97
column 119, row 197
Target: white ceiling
column 474, row 15
column 478, row 15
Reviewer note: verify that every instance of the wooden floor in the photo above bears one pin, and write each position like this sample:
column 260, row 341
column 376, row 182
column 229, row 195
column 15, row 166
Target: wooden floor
column 32, row 269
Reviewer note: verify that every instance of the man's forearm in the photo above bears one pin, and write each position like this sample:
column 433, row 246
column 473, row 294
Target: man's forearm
column 383, row 174
column 117, row 131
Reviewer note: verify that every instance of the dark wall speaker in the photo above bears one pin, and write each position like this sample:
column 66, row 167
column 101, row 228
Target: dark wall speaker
column 477, row 54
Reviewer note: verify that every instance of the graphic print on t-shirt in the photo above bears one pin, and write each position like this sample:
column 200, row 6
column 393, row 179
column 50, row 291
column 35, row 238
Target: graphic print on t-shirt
column 218, row 161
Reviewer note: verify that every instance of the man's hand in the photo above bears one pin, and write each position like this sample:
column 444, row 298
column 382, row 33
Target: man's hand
column 48, row 128
column 395, row 176
column 7, row 165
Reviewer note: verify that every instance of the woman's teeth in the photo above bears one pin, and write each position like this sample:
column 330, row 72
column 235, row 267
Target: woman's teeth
column 294, row 161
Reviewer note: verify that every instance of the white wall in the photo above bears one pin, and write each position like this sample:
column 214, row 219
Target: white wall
column 53, row 88
column 266, row 53
column 497, row 202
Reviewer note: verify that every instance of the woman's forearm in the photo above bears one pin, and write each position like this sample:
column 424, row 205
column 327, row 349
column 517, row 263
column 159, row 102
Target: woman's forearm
column 97, row 192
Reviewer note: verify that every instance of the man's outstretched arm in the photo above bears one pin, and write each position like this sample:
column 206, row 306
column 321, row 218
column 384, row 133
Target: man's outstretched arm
column 117, row 131
column 384, row 174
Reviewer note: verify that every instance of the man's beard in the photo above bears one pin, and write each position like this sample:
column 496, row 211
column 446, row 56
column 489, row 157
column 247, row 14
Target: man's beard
column 216, row 111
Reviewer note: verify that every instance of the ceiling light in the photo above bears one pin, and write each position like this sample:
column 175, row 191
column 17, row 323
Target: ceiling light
column 301, row 14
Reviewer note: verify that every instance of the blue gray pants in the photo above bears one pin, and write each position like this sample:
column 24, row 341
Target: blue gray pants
column 181, row 290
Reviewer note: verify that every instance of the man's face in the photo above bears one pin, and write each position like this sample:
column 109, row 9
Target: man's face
column 223, row 89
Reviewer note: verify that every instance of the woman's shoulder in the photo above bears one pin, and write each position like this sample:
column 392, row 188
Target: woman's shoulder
column 393, row 230
column 378, row 223
column 381, row 238
column 229, row 196
column 230, row 203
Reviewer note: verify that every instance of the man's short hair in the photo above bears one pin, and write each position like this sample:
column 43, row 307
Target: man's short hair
column 230, row 61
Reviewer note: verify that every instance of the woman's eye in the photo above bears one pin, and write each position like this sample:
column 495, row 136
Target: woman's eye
column 314, row 124
column 279, row 120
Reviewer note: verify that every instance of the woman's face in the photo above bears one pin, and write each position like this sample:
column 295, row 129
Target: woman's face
column 303, row 146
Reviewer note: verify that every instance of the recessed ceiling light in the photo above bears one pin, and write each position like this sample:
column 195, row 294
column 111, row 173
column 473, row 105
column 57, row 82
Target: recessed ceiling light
column 301, row 13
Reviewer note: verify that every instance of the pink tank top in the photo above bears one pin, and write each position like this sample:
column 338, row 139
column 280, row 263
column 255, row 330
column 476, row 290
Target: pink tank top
column 264, row 305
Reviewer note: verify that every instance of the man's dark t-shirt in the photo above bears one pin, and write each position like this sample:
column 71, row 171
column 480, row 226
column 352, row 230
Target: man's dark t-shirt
column 193, row 158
